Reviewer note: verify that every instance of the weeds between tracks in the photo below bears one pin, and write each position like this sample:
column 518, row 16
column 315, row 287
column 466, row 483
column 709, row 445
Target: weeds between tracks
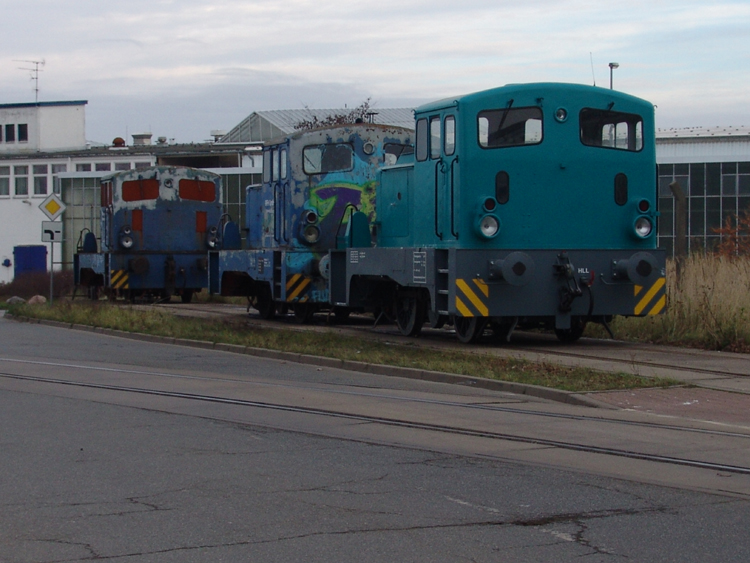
column 105, row 315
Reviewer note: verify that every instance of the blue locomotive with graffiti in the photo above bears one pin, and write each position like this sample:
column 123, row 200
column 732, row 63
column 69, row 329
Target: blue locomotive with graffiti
column 524, row 206
column 318, row 193
column 157, row 225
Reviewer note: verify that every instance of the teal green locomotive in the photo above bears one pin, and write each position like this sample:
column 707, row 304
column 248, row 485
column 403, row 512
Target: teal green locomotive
column 524, row 206
column 157, row 225
column 318, row 192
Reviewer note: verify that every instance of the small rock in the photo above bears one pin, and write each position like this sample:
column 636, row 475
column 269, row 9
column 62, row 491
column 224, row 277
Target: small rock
column 15, row 300
column 37, row 300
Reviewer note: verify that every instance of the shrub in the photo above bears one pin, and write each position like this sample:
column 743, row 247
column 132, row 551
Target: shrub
column 37, row 283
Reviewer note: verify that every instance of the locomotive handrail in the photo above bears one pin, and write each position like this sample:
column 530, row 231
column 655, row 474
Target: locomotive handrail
column 343, row 215
column 284, row 236
column 79, row 244
column 275, row 216
column 453, row 208
column 438, row 165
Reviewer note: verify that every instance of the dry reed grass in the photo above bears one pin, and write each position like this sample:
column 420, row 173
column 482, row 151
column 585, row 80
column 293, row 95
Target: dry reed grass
column 708, row 306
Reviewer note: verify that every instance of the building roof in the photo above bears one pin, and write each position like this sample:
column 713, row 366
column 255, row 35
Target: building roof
column 703, row 133
column 43, row 104
column 157, row 150
column 262, row 126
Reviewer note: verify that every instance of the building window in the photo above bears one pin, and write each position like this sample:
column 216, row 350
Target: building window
column 122, row 166
column 103, row 167
column 40, row 178
column 715, row 192
column 4, row 181
column 10, row 133
column 83, row 167
column 142, row 165
column 23, row 133
column 40, row 185
column 59, row 168
column 22, row 180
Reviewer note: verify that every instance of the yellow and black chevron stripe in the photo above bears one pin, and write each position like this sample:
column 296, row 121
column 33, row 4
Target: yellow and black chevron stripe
column 651, row 301
column 118, row 279
column 295, row 286
column 472, row 297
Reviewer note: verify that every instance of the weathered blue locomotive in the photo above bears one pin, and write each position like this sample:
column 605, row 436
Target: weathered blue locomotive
column 522, row 206
column 318, row 193
column 157, row 225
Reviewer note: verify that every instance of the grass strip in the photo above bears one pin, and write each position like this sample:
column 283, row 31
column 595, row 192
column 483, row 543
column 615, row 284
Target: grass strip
column 331, row 345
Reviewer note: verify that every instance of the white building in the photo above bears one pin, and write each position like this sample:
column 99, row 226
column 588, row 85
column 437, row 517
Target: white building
column 43, row 149
column 712, row 166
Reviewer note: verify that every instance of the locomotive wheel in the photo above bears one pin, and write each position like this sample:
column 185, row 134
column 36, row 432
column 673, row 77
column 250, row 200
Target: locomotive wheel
column 500, row 329
column 186, row 296
column 410, row 315
column 264, row 304
column 436, row 320
column 469, row 329
column 568, row 335
column 303, row 312
column 341, row 314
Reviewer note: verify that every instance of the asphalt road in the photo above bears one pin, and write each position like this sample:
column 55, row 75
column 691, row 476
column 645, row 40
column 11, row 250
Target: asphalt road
column 96, row 474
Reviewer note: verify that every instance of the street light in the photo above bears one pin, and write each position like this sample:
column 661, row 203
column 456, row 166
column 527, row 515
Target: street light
column 612, row 66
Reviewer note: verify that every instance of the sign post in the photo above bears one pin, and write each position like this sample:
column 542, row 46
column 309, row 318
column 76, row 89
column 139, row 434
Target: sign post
column 53, row 207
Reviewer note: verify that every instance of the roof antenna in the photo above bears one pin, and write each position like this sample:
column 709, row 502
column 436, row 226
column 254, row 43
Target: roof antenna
column 34, row 75
column 591, row 56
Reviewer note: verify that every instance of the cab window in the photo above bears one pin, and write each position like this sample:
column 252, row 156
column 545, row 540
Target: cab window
column 449, row 127
column 140, row 190
column 422, row 140
column 435, row 137
column 322, row 159
column 509, row 127
column 611, row 129
column 394, row 150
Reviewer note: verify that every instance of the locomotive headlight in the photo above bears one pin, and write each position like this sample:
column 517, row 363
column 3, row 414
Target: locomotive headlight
column 126, row 241
column 126, row 230
column 311, row 217
column 488, row 226
column 311, row 234
column 212, row 237
column 643, row 227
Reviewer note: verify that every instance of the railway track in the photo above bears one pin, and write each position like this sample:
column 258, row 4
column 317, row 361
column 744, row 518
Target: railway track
column 409, row 405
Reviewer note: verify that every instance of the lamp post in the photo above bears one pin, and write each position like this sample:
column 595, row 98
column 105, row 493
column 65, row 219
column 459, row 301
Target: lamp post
column 612, row 67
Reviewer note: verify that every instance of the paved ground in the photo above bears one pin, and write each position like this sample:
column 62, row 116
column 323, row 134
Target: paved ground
column 699, row 402
column 693, row 402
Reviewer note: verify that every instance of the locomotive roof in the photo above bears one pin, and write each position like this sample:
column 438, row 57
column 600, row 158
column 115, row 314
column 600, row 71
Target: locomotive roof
column 135, row 173
column 343, row 126
column 537, row 88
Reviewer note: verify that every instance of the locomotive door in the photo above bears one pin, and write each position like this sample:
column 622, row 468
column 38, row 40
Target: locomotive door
column 106, row 211
column 278, row 189
column 443, row 152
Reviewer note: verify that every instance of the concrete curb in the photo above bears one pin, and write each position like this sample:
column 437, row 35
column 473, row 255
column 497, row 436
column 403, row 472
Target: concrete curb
column 556, row 395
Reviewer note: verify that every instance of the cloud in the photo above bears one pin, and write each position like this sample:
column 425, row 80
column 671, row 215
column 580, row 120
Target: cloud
column 219, row 61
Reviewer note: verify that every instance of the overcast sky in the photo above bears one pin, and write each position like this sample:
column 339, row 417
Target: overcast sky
column 181, row 68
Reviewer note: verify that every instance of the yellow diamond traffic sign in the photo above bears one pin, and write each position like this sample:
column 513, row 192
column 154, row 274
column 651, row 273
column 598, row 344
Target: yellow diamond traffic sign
column 53, row 206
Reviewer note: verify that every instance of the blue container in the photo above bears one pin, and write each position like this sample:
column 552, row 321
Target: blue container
column 31, row 258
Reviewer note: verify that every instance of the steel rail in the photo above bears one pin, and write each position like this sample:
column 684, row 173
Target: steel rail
column 456, row 404
column 398, row 423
